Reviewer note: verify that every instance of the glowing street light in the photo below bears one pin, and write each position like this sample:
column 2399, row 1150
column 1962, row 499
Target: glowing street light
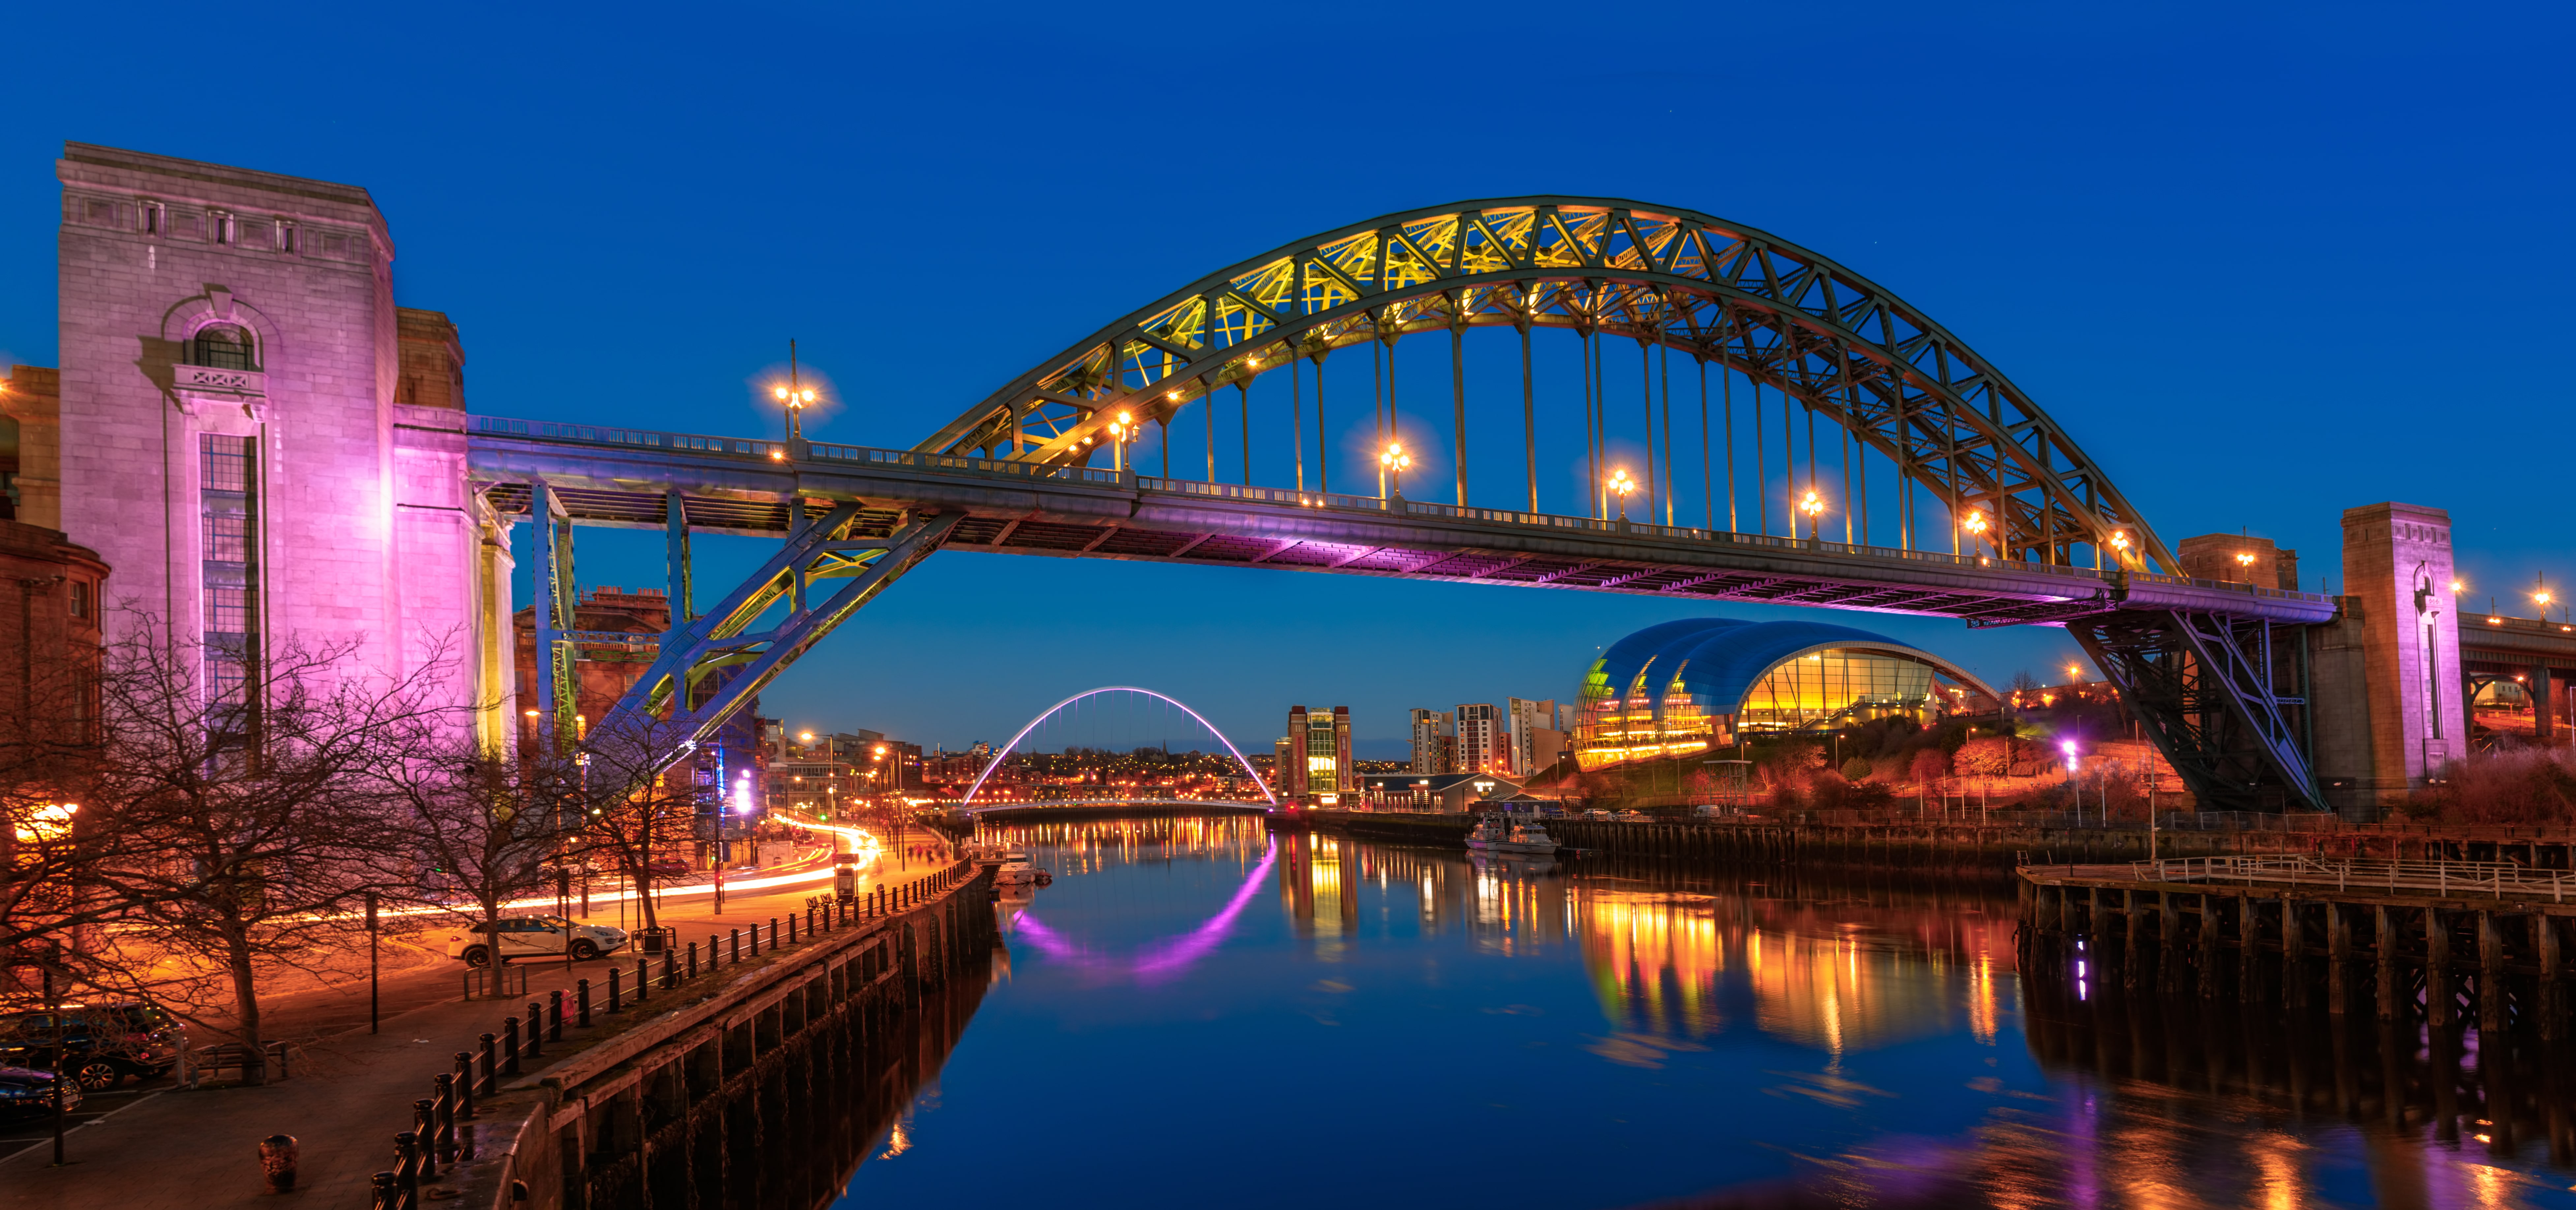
column 1121, row 431
column 2540, row 594
column 794, row 398
column 1620, row 485
column 1392, row 461
column 2120, row 543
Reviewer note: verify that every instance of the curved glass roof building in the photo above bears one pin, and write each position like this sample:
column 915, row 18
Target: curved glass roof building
column 1687, row 686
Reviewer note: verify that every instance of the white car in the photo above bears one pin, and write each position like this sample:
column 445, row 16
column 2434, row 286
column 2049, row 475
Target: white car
column 532, row 937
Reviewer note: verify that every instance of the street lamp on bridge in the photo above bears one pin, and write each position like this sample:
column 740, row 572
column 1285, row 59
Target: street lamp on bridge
column 1392, row 462
column 1122, row 431
column 795, row 397
column 1814, row 507
column 1620, row 485
column 1976, row 525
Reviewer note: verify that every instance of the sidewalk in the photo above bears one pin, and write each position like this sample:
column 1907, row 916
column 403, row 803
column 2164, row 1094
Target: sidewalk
column 348, row 1096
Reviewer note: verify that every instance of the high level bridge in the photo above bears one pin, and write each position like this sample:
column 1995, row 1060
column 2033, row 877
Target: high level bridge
column 2030, row 531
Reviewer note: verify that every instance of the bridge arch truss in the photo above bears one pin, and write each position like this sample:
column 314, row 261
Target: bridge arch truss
column 1782, row 316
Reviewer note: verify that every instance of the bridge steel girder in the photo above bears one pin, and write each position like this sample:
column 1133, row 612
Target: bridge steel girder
column 622, row 477
column 2202, row 686
column 817, row 549
column 1777, row 313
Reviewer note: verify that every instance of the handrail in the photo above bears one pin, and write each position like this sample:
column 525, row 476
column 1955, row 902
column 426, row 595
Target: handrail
column 2492, row 878
column 434, row 1139
column 764, row 450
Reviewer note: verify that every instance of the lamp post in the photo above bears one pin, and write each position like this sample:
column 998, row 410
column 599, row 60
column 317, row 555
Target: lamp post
column 1814, row 507
column 1976, row 525
column 1391, row 464
column 1121, row 431
column 793, row 397
column 1620, row 485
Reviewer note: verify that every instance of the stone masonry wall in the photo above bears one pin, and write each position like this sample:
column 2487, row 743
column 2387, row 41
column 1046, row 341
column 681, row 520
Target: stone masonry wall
column 364, row 533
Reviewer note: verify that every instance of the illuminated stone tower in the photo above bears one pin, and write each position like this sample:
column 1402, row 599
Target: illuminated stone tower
column 255, row 437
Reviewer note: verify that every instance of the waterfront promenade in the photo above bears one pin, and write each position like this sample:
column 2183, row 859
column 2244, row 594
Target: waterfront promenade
column 347, row 1093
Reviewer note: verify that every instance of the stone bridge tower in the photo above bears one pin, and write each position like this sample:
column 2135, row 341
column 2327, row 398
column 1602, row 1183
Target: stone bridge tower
column 260, row 443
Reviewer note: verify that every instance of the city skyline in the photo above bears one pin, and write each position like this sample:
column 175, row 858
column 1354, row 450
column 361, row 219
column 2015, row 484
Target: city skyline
column 2071, row 257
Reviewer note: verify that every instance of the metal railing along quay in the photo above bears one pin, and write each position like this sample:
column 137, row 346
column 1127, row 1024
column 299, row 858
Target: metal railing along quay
column 2442, row 879
column 434, row 1138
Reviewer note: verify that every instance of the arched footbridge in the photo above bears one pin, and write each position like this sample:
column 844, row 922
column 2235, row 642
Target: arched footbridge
column 1988, row 510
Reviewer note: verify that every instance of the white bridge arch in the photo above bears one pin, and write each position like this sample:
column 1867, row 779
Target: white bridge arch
column 968, row 803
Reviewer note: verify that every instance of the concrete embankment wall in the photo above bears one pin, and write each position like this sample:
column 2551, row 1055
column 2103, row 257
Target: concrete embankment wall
column 669, row 1111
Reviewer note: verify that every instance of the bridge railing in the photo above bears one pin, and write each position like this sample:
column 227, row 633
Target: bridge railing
column 749, row 450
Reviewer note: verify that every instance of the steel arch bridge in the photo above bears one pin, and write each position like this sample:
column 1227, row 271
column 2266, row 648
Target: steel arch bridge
column 2021, row 507
column 967, row 804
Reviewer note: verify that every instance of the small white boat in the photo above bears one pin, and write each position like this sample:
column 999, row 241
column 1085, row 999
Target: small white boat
column 1488, row 832
column 1016, row 871
column 1528, row 837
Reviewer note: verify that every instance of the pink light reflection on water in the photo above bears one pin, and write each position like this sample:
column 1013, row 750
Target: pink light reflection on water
column 1163, row 960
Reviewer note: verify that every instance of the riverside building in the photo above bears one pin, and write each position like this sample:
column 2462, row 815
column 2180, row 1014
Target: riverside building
column 1688, row 686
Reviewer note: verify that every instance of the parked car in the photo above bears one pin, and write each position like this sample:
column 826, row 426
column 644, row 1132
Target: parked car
column 25, row 1092
column 532, row 937
column 668, row 867
column 99, row 1044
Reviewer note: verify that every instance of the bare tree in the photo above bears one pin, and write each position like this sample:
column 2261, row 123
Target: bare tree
column 643, row 794
column 473, row 831
column 256, row 782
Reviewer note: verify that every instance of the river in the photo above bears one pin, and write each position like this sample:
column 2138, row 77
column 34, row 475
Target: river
column 1205, row 1013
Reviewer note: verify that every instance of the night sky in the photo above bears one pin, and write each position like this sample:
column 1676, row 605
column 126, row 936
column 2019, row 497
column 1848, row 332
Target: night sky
column 2265, row 263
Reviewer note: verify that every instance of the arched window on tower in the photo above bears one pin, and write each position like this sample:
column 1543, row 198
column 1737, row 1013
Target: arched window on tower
column 224, row 347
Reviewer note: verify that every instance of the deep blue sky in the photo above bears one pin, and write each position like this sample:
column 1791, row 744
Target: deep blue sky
column 2265, row 262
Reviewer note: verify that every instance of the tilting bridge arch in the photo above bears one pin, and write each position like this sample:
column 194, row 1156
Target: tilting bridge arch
column 968, row 802
column 1017, row 473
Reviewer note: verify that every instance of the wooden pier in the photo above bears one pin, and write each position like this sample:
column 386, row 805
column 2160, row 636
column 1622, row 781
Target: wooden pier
column 2453, row 941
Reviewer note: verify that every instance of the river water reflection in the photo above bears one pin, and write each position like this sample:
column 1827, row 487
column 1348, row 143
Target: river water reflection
column 1202, row 1013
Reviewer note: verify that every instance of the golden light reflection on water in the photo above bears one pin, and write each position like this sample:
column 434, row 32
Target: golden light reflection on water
column 1662, row 961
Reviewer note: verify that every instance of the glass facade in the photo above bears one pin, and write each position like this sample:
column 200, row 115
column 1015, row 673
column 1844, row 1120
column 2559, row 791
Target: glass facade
column 1675, row 690
column 1837, row 689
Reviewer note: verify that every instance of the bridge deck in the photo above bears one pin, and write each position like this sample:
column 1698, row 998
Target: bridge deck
column 624, row 477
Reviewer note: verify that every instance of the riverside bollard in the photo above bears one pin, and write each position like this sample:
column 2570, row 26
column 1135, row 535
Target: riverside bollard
column 277, row 1159
column 582, row 987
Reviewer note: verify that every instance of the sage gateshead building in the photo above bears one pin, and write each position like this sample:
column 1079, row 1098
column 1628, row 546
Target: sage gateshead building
column 1689, row 686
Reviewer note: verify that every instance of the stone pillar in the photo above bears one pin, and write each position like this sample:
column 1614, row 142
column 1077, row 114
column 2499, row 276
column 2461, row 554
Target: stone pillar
column 2406, row 718
column 2543, row 703
column 260, row 443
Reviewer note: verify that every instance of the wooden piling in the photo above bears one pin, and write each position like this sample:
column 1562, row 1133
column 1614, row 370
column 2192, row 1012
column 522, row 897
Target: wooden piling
column 2437, row 968
column 2385, row 923
column 2491, row 993
column 2338, row 957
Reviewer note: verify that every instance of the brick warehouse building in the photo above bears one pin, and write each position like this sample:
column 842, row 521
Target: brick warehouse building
column 255, row 436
